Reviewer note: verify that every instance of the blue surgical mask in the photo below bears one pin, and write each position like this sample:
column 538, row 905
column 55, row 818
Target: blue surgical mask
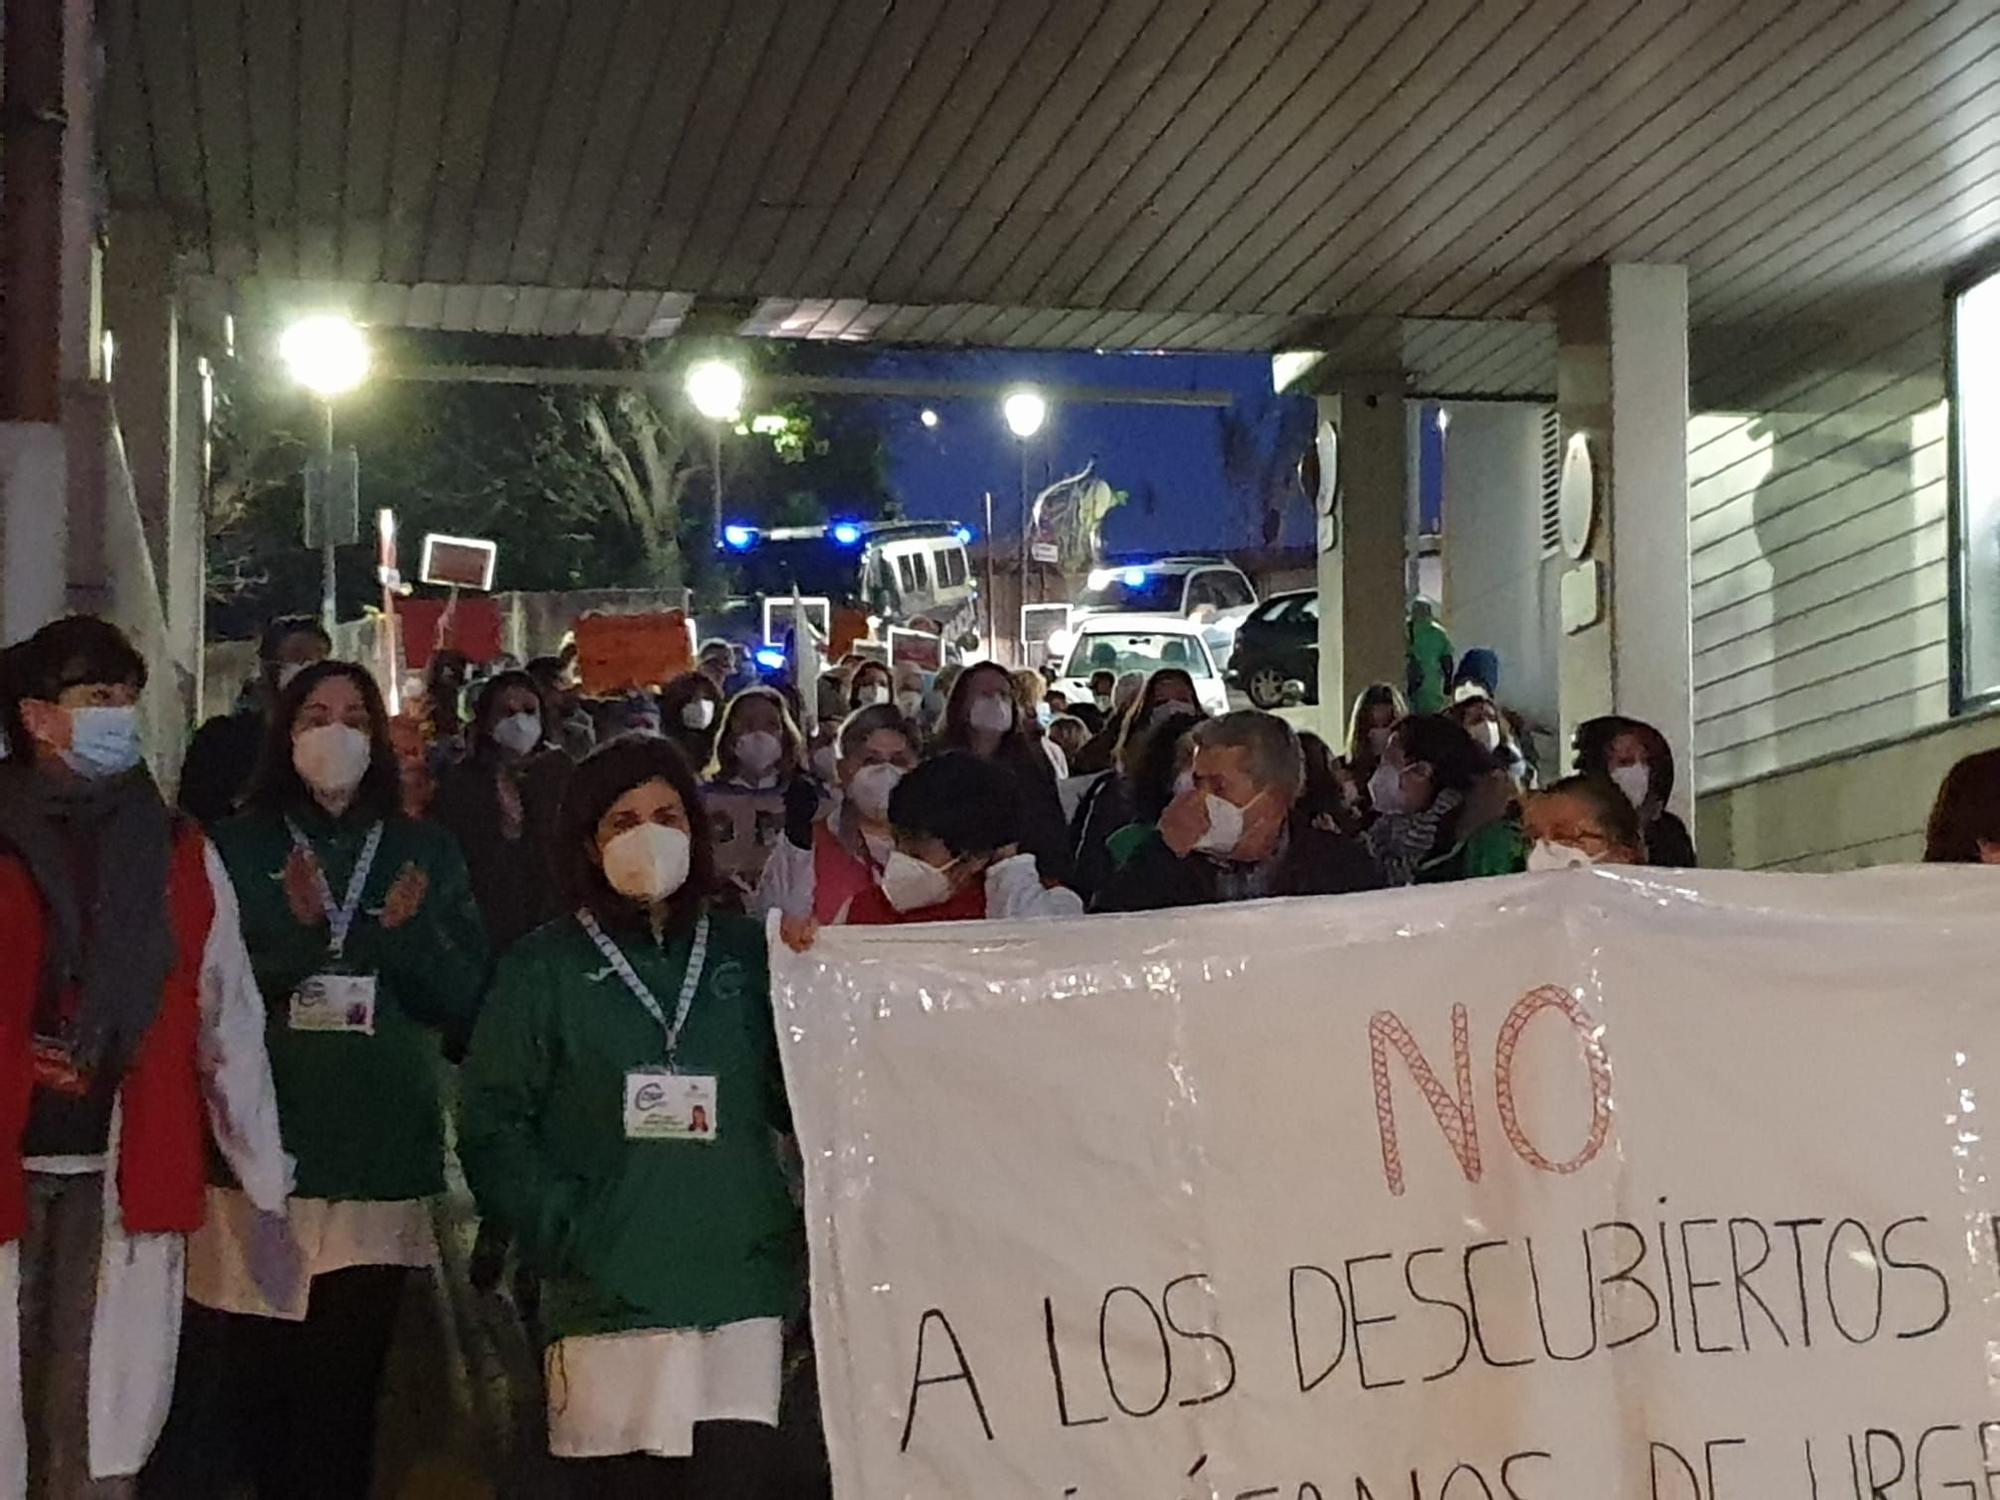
column 103, row 742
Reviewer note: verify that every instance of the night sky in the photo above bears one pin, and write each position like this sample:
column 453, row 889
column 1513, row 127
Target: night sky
column 1169, row 459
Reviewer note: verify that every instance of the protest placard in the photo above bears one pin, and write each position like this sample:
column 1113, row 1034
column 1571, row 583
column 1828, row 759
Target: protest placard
column 1572, row 1187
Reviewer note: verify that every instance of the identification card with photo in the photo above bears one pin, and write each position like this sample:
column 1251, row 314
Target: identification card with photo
column 335, row 1002
column 663, row 1106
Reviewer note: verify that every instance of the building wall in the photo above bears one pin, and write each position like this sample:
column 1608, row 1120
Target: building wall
column 1817, row 517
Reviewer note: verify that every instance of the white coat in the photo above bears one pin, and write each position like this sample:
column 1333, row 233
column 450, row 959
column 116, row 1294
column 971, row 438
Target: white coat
column 136, row 1328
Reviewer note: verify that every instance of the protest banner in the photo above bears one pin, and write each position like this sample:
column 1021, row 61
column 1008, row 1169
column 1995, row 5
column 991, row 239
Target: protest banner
column 615, row 653
column 1570, row 1187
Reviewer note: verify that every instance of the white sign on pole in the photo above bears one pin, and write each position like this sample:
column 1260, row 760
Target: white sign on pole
column 1571, row 1187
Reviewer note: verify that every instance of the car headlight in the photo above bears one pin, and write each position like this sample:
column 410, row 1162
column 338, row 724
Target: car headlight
column 1060, row 640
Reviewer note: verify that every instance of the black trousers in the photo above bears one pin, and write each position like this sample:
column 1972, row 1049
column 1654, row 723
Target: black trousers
column 731, row 1461
column 290, row 1407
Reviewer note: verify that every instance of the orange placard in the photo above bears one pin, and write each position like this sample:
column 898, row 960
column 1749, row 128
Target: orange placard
column 616, row 653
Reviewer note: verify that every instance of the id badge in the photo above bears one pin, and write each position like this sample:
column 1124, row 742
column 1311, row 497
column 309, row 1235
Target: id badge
column 663, row 1106
column 335, row 1002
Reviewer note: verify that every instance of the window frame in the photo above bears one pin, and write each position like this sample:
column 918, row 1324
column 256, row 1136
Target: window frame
column 1965, row 697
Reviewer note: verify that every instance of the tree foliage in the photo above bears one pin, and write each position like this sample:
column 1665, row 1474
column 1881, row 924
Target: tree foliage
column 581, row 486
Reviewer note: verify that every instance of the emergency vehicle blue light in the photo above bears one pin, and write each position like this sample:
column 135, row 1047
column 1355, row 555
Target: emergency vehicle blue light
column 1134, row 577
column 964, row 535
column 739, row 538
column 846, row 533
column 771, row 658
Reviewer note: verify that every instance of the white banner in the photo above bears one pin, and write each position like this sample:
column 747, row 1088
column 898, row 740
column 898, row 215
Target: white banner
column 1556, row 1188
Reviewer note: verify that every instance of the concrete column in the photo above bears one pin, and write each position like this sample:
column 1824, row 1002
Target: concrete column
column 1362, row 578
column 141, row 314
column 1622, row 383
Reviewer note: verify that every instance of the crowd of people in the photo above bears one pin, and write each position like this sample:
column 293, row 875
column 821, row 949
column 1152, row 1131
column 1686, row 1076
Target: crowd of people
column 230, row 1030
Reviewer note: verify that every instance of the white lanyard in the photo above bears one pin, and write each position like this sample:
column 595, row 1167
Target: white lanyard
column 339, row 919
column 622, row 967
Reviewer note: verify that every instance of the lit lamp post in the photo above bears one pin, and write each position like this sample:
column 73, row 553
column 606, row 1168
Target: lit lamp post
column 328, row 355
column 715, row 389
column 1025, row 410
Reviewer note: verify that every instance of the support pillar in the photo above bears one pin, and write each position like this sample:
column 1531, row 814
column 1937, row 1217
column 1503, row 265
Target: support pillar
column 1622, row 387
column 1362, row 577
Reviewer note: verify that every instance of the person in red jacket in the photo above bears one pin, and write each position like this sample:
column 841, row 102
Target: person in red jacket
column 131, row 1033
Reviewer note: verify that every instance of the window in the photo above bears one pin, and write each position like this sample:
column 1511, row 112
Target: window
column 1231, row 590
column 910, row 573
column 1975, row 416
column 1200, row 593
column 951, row 567
column 1138, row 651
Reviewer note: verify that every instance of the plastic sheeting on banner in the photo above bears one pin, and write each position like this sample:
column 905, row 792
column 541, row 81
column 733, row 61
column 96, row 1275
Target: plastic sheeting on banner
column 1556, row 1188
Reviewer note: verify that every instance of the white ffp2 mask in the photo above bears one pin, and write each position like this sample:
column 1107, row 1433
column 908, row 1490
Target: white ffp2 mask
column 911, row 884
column 647, row 863
column 332, row 758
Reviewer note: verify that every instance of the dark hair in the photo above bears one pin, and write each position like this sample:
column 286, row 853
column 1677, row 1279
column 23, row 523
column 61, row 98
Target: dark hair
column 72, row 651
column 1150, row 763
column 971, row 806
column 546, row 670
column 1134, row 722
column 283, row 628
column 1325, row 793
column 486, row 703
column 1967, row 810
column 862, row 668
column 1374, row 696
column 600, row 779
column 1613, row 810
column 1594, row 738
column 279, row 788
column 1018, row 747
column 1456, row 761
column 65, row 653
column 793, row 758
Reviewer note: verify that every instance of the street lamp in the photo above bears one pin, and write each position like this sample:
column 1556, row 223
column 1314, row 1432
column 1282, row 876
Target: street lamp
column 329, row 356
column 928, row 417
column 1025, row 409
column 715, row 389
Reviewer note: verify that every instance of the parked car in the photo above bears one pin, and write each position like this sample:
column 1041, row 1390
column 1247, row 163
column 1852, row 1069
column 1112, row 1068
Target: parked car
column 1140, row 643
column 1212, row 592
column 1278, row 643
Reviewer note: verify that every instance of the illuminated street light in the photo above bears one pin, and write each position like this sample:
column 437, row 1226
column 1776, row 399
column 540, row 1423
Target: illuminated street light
column 1025, row 411
column 326, row 354
column 928, row 417
column 715, row 387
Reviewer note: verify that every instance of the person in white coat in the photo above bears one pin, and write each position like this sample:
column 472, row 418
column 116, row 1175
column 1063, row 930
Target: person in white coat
column 131, row 1034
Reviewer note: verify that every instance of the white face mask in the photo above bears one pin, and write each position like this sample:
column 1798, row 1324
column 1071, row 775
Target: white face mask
column 825, row 763
column 1385, row 790
column 102, row 741
column 911, row 884
column 332, row 758
column 1225, row 826
column 871, row 695
column 647, row 863
column 698, row 713
column 1487, row 734
column 1550, row 856
column 911, row 703
column 1044, row 715
column 519, row 733
column 1636, row 782
column 1103, row 702
column 869, row 790
column 992, row 713
column 758, row 751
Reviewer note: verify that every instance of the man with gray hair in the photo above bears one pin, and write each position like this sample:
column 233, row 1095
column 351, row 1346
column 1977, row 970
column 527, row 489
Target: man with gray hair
column 1232, row 835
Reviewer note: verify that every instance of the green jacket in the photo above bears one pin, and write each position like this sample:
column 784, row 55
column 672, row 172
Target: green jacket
column 633, row 1234
column 362, row 1113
